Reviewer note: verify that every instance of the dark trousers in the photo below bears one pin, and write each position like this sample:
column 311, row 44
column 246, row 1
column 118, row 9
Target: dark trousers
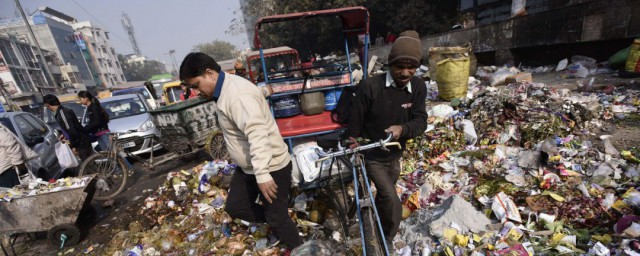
column 241, row 204
column 84, row 150
column 384, row 175
column 9, row 178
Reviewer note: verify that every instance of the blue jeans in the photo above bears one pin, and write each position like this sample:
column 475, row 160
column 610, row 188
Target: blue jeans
column 103, row 143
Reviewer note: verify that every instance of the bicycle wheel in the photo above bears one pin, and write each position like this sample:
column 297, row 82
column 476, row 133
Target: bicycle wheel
column 373, row 239
column 111, row 174
column 338, row 203
column 216, row 147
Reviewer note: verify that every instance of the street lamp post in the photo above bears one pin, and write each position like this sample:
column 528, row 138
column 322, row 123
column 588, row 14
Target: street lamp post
column 173, row 59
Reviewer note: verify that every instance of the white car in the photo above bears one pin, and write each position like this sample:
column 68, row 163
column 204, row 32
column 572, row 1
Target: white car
column 131, row 112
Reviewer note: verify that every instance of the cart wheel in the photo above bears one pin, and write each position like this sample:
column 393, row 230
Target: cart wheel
column 216, row 147
column 69, row 232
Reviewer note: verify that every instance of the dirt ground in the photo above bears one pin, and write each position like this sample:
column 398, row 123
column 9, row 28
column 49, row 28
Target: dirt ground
column 97, row 225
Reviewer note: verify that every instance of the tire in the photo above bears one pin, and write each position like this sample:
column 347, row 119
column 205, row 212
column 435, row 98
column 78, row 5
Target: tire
column 110, row 181
column 341, row 207
column 372, row 237
column 71, row 232
column 216, row 147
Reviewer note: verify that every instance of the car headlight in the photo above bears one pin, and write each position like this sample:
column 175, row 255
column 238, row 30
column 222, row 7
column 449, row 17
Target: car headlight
column 148, row 125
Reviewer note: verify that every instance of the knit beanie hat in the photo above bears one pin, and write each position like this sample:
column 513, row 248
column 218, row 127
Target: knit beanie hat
column 407, row 48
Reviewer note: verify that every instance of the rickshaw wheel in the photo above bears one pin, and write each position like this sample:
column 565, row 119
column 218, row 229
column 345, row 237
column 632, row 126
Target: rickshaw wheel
column 216, row 147
column 71, row 231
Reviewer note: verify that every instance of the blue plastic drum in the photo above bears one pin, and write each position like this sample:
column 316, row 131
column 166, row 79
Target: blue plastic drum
column 286, row 106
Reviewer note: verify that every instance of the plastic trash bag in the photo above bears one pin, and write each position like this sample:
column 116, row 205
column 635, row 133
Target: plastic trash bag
column 469, row 131
column 314, row 247
column 306, row 157
column 562, row 65
column 501, row 75
column 65, row 156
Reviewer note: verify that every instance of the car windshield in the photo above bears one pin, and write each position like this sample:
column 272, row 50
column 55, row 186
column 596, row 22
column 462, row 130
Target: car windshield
column 76, row 107
column 158, row 87
column 141, row 91
column 174, row 94
column 7, row 123
column 124, row 107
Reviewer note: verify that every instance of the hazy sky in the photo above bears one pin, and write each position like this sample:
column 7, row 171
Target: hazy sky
column 160, row 25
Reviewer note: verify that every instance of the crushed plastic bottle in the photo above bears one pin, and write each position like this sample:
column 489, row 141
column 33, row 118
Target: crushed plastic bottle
column 135, row 251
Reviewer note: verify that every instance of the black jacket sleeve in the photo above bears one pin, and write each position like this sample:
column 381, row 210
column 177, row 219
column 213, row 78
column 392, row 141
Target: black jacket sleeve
column 68, row 121
column 359, row 107
column 95, row 119
column 418, row 123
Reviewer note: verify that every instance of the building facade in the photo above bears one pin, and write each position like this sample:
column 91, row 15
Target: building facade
column 104, row 56
column 56, row 35
column 23, row 80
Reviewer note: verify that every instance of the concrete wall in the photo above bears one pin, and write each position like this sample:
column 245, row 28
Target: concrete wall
column 587, row 27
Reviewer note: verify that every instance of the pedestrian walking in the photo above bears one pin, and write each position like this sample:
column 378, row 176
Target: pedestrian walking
column 393, row 102
column 73, row 131
column 259, row 189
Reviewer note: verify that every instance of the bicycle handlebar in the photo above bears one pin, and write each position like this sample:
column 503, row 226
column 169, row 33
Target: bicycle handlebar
column 383, row 144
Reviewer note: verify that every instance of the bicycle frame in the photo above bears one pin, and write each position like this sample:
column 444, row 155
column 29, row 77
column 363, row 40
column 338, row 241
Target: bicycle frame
column 150, row 163
column 359, row 173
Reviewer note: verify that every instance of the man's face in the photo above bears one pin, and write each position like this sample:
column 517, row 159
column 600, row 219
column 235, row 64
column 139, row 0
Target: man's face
column 48, row 107
column 204, row 83
column 402, row 73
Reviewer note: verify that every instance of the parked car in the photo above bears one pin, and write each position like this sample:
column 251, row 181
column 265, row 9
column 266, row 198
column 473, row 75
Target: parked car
column 131, row 112
column 138, row 90
column 34, row 133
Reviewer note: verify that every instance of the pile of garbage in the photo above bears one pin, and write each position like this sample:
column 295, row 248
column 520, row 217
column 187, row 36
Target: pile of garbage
column 512, row 170
column 185, row 216
column 521, row 113
column 532, row 177
column 34, row 187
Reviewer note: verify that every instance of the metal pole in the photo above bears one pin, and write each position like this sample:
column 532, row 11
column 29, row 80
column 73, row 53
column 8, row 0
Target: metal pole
column 173, row 58
column 33, row 37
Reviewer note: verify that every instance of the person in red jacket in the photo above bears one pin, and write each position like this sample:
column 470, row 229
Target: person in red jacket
column 187, row 93
column 390, row 38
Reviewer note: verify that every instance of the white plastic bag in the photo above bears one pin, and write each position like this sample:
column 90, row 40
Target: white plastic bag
column 499, row 77
column 306, row 157
column 66, row 158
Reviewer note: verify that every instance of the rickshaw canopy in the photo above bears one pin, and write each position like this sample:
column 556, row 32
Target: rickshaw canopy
column 355, row 20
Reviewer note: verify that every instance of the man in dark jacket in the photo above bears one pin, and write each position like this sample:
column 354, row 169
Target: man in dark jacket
column 79, row 141
column 390, row 103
